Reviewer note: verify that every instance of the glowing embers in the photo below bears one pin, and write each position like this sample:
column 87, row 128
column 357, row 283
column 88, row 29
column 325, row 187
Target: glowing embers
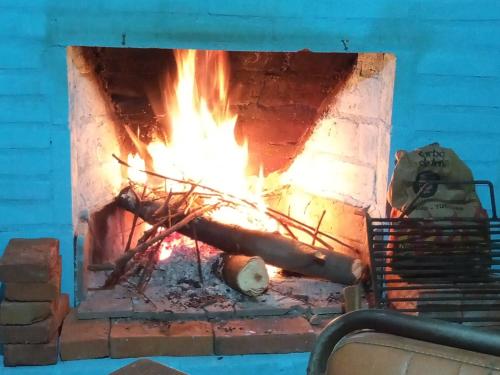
column 165, row 251
column 172, row 242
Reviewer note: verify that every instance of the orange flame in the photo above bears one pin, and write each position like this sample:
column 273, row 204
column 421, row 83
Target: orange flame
column 272, row 271
column 201, row 146
column 136, row 165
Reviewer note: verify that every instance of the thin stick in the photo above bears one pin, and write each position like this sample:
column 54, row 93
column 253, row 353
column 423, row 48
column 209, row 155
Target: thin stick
column 409, row 208
column 174, row 228
column 302, row 226
column 147, row 272
column 288, row 230
column 317, row 227
column 121, row 262
column 184, row 198
column 134, row 223
column 146, row 298
column 189, row 204
column 269, row 211
column 161, row 222
column 164, row 206
column 198, row 256
column 307, row 231
column 185, row 182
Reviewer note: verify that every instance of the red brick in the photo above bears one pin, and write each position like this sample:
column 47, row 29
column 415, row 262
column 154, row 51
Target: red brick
column 146, row 367
column 141, row 338
column 82, row 339
column 279, row 91
column 31, row 354
column 271, row 335
column 110, row 303
column 25, row 312
column 29, row 260
column 36, row 333
column 48, row 291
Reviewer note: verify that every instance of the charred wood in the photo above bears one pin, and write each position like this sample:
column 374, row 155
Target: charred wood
column 122, row 262
column 247, row 275
column 273, row 248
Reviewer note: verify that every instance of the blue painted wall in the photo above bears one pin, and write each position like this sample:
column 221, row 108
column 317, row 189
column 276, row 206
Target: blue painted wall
column 447, row 79
column 263, row 364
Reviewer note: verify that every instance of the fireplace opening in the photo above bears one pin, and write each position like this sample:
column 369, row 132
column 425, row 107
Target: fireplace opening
column 273, row 160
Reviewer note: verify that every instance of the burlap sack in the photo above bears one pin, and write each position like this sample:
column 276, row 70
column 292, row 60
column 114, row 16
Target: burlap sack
column 437, row 201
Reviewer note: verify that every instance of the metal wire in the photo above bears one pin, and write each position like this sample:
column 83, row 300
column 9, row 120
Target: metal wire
column 445, row 268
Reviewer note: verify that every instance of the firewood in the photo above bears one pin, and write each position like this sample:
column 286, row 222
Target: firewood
column 148, row 269
column 286, row 221
column 122, row 262
column 273, row 248
column 247, row 275
column 134, row 223
column 279, row 251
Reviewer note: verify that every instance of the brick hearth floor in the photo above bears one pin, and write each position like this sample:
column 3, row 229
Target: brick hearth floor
column 264, row 364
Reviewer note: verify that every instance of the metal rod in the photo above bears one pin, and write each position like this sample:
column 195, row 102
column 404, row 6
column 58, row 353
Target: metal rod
column 466, row 223
column 198, row 257
column 438, row 232
column 443, row 288
column 406, row 263
column 493, row 298
column 373, row 274
column 451, row 243
column 440, row 281
column 458, row 274
column 437, row 250
column 450, row 307
column 450, row 223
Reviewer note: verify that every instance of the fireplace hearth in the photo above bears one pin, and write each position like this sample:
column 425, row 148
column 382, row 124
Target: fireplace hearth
column 245, row 137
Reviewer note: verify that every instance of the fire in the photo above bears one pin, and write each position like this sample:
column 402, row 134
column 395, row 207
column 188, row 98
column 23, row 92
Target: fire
column 137, row 164
column 165, row 251
column 200, row 143
column 173, row 241
column 272, row 271
column 167, row 245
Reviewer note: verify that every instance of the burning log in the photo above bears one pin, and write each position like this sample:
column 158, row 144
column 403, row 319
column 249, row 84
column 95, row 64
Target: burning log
column 279, row 251
column 273, row 248
column 247, row 275
column 286, row 221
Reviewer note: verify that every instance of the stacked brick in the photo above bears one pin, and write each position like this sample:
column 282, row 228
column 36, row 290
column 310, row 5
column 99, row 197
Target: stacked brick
column 84, row 339
column 34, row 308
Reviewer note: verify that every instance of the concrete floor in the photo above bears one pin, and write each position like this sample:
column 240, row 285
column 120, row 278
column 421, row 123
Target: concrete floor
column 264, row 364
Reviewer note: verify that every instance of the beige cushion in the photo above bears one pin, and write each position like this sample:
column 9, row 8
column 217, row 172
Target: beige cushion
column 370, row 353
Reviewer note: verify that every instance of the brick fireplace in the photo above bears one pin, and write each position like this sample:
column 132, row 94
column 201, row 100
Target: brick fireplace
column 446, row 84
column 302, row 114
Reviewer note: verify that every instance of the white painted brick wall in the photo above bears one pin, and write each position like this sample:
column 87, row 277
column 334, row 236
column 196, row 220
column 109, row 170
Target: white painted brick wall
column 349, row 146
column 96, row 176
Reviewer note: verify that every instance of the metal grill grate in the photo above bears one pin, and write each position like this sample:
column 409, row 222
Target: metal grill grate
column 440, row 268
